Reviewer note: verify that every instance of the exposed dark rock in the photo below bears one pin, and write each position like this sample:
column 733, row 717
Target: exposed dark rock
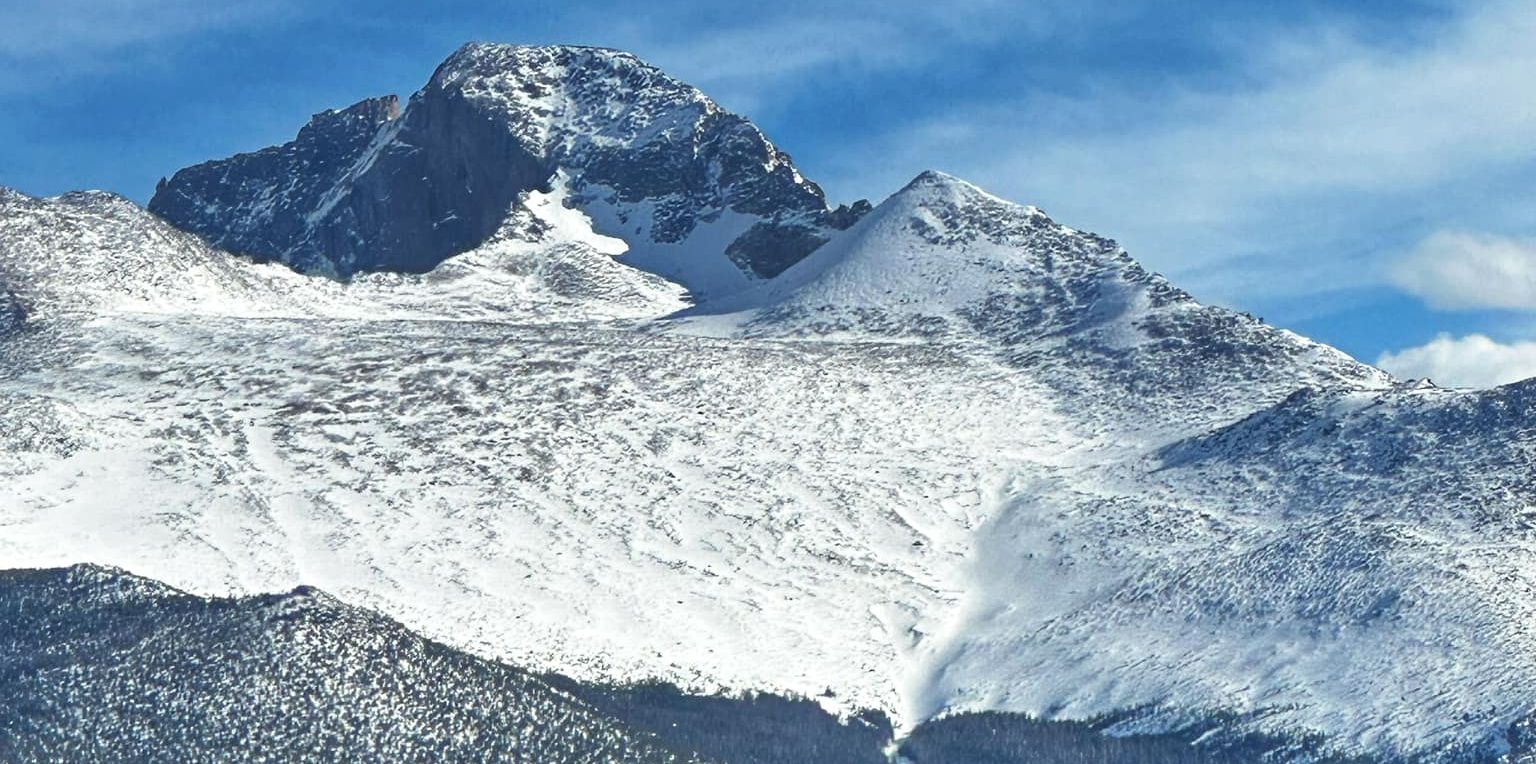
column 373, row 189
column 846, row 215
column 257, row 203
column 771, row 246
column 12, row 314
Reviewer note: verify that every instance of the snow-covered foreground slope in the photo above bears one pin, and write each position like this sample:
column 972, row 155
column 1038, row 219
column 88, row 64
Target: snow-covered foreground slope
column 960, row 458
column 582, row 497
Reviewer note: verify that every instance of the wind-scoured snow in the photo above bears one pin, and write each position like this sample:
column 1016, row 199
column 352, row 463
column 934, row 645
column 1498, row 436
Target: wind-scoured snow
column 960, row 458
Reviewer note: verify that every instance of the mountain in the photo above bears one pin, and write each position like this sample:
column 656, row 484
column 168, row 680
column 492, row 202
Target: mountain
column 942, row 260
column 956, row 464
column 698, row 194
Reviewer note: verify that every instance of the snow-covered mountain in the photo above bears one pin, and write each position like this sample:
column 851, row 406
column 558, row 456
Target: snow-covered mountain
column 698, row 194
column 959, row 458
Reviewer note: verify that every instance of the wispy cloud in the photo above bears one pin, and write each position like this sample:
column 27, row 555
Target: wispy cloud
column 1471, row 361
column 756, row 54
column 1458, row 271
column 43, row 43
column 744, row 66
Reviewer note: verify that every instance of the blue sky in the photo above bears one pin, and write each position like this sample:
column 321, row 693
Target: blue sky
column 1361, row 172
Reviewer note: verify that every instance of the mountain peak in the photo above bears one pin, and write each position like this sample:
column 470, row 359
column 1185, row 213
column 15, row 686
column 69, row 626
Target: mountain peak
column 933, row 187
column 576, row 77
column 932, row 255
column 936, row 179
column 942, row 257
column 699, row 194
column 481, row 49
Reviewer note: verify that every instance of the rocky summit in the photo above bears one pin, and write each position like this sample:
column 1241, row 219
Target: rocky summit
column 698, row 193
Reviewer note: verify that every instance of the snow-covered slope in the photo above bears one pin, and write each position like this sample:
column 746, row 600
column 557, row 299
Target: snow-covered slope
column 699, row 194
column 941, row 260
column 960, row 458
column 90, row 253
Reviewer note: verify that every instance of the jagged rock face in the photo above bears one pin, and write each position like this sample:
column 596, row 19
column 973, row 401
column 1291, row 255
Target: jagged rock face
column 256, row 203
column 616, row 122
column 365, row 189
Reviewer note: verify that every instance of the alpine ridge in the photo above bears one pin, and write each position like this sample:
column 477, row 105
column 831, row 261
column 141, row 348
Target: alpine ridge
column 698, row 194
column 606, row 388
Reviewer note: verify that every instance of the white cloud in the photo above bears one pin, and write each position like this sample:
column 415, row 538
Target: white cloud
column 1471, row 361
column 1467, row 270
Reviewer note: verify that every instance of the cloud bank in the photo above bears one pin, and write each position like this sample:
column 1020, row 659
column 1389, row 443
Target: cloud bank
column 1459, row 271
column 1471, row 361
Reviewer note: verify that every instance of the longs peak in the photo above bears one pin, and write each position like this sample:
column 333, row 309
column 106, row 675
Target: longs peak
column 698, row 194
